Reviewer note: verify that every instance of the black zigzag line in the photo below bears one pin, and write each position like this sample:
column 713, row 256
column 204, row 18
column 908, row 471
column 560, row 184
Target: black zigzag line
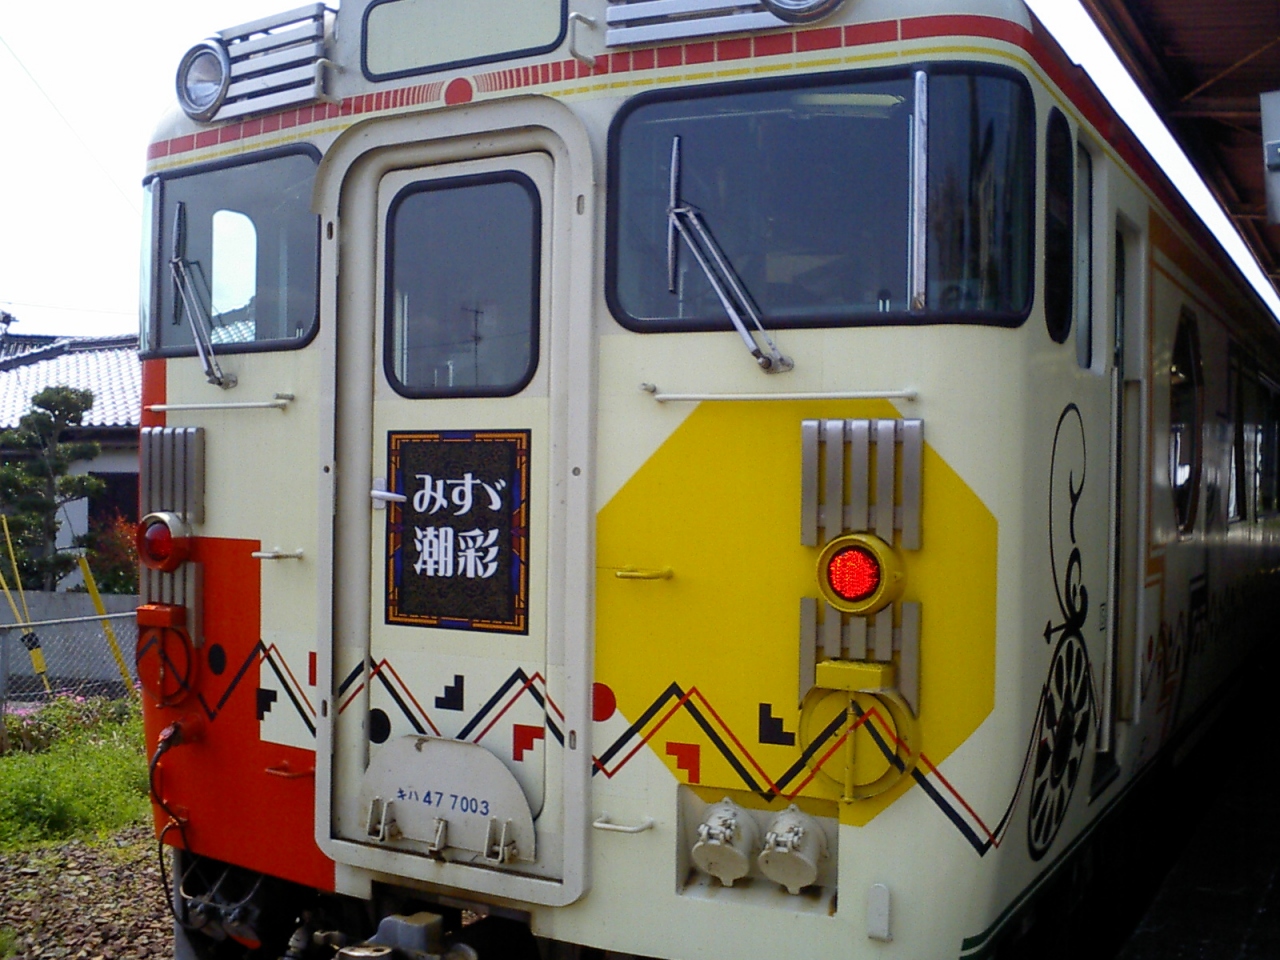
column 723, row 748
column 978, row 844
column 400, row 703
column 981, row 846
column 235, row 681
column 289, row 690
column 635, row 728
column 351, row 677
column 551, row 724
column 802, row 764
column 922, row 778
column 674, row 692
column 518, row 677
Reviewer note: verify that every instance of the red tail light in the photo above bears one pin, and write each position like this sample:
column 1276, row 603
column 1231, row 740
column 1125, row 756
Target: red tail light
column 162, row 542
column 854, row 573
column 859, row 573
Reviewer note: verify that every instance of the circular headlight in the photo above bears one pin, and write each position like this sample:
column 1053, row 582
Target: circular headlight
column 801, row 11
column 203, row 77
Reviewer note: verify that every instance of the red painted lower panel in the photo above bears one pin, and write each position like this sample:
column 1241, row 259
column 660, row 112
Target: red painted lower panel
column 236, row 810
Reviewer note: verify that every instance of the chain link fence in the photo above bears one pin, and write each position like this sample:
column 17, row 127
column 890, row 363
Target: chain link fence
column 65, row 648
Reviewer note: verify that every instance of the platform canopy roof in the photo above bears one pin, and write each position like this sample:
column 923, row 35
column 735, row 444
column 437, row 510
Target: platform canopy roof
column 1203, row 63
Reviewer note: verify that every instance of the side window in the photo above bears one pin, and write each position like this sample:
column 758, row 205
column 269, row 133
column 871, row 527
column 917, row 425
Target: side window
column 1268, row 454
column 1256, row 398
column 1059, row 221
column 1084, row 257
column 1236, row 489
column 1186, row 405
column 455, row 325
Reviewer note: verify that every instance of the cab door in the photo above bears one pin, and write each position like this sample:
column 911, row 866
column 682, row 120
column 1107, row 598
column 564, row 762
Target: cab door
column 460, row 658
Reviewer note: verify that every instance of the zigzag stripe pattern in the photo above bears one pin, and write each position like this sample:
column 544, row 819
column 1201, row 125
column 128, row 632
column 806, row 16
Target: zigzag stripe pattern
column 788, row 785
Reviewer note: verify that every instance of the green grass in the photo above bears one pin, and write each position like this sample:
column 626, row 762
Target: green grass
column 90, row 780
column 8, row 943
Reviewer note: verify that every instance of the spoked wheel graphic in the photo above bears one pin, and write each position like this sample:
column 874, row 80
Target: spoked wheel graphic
column 1061, row 736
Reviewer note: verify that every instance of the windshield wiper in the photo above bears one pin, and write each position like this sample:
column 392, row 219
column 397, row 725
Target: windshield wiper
column 193, row 306
column 686, row 220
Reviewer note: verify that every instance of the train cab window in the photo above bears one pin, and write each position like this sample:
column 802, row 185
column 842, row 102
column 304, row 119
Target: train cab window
column 981, row 194
column 239, row 247
column 455, row 326
column 809, row 189
column 1186, row 406
column 234, row 283
column 1059, row 223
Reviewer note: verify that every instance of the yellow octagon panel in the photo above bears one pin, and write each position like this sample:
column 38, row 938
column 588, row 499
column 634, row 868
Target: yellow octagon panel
column 704, row 662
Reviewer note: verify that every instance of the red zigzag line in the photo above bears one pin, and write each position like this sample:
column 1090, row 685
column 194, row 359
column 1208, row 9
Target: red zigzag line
column 273, row 649
column 886, row 728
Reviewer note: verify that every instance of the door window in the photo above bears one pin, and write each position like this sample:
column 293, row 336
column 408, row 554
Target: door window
column 463, row 281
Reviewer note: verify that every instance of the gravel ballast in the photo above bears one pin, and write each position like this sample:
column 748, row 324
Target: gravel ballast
column 89, row 900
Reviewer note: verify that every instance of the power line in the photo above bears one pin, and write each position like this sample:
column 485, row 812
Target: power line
column 54, row 306
column 75, row 133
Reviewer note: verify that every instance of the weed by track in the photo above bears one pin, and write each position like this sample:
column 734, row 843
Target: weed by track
column 78, row 868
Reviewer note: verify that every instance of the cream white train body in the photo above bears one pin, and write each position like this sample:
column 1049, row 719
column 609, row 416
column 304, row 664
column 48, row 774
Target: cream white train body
column 679, row 478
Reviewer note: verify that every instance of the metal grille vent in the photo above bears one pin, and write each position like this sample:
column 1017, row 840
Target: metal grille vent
column 861, row 476
column 172, row 480
column 839, row 461
column 172, row 471
column 276, row 62
column 652, row 21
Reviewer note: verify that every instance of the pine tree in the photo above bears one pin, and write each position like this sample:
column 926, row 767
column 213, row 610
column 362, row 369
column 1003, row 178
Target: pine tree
column 35, row 484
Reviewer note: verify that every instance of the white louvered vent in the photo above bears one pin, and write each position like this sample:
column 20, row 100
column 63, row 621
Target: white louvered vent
column 276, row 62
column 652, row 21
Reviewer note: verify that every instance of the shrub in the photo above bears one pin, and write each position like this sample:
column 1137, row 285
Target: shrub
column 113, row 557
column 36, row 729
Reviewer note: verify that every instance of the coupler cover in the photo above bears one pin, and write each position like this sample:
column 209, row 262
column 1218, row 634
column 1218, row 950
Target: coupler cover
column 447, row 799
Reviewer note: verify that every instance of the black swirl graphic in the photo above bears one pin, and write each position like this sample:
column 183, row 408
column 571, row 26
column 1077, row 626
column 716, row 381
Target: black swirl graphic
column 1067, row 469
column 1060, row 738
column 1066, row 700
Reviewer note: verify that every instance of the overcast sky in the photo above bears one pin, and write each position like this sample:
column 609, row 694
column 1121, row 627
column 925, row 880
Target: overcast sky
column 82, row 87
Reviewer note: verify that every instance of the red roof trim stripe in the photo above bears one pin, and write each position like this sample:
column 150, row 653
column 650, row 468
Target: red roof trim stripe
column 1036, row 42
column 699, row 52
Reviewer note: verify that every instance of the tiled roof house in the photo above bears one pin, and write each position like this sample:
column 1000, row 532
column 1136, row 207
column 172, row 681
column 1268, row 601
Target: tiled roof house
column 109, row 367
column 106, row 365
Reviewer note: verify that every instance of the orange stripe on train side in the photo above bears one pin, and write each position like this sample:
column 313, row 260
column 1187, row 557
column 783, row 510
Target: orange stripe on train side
column 237, row 811
column 154, row 389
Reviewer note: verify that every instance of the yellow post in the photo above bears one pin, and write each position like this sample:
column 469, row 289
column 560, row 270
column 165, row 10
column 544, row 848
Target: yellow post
column 29, row 639
column 849, row 719
column 92, row 586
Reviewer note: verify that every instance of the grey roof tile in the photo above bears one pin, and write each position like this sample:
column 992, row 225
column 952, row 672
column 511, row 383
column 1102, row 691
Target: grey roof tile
column 108, row 366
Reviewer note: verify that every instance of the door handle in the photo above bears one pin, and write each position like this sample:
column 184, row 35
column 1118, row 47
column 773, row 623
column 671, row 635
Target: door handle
column 604, row 823
column 631, row 573
column 382, row 497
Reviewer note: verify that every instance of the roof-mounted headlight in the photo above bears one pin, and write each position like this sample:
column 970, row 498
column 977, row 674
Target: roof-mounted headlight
column 203, row 77
column 801, row 11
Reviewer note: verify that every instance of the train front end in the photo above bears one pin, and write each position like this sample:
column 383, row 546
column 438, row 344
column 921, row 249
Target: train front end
column 617, row 475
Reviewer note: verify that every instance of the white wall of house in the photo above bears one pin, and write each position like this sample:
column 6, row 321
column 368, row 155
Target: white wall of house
column 75, row 515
